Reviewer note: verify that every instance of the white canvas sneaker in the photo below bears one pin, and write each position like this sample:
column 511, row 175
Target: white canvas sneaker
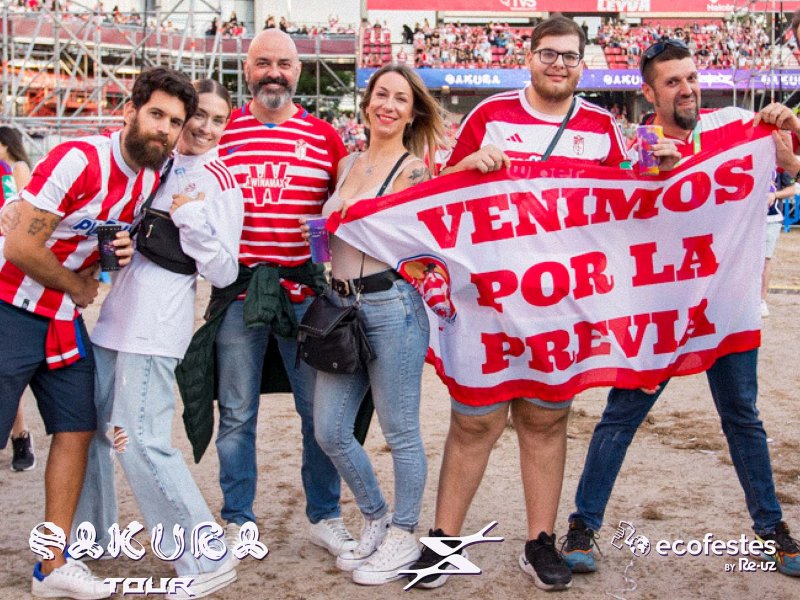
column 205, row 584
column 398, row 551
column 372, row 533
column 332, row 535
column 72, row 580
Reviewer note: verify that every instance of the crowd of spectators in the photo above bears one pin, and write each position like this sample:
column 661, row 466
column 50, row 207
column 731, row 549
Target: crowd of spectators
column 351, row 131
column 719, row 44
column 448, row 45
column 741, row 43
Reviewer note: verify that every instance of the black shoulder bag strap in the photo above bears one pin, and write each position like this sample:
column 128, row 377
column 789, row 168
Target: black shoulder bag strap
column 147, row 203
column 561, row 129
column 379, row 194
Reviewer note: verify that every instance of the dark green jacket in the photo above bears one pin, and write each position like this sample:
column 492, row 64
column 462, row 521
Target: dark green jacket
column 266, row 304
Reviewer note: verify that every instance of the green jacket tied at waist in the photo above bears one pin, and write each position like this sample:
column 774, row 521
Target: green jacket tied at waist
column 266, row 304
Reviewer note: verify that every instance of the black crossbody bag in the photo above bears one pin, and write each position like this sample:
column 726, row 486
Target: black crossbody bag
column 331, row 338
column 159, row 239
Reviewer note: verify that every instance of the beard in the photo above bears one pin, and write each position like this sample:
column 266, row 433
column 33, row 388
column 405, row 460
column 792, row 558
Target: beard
column 143, row 153
column 271, row 99
column 688, row 119
column 545, row 90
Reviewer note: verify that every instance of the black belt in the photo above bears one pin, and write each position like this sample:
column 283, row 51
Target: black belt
column 379, row 282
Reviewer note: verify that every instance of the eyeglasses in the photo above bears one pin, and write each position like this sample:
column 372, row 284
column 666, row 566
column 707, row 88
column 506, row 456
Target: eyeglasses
column 658, row 48
column 548, row 57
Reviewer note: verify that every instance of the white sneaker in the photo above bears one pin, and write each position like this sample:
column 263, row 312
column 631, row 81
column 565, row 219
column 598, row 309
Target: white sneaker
column 372, row 533
column 72, row 580
column 398, row 551
column 205, row 584
column 764, row 309
column 332, row 535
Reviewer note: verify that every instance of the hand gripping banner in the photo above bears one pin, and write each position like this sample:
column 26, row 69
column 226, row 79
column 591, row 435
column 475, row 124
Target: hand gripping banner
column 545, row 279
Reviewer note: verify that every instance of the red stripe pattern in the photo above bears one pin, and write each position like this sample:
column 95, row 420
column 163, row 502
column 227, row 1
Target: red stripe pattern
column 87, row 184
column 285, row 172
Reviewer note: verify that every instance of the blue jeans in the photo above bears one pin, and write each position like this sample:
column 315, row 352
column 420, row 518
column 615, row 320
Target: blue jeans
column 135, row 392
column 397, row 327
column 734, row 388
column 240, row 359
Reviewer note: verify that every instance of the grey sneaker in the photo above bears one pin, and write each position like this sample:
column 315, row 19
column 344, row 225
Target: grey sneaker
column 23, row 458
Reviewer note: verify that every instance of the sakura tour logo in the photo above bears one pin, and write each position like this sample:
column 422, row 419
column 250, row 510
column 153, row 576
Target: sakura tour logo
column 206, row 540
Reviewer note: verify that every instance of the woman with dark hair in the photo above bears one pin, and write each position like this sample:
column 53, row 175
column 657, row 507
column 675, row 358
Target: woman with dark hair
column 405, row 126
column 14, row 163
column 141, row 335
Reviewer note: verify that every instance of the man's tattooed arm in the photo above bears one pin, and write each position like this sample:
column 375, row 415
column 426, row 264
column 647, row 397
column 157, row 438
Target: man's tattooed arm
column 42, row 222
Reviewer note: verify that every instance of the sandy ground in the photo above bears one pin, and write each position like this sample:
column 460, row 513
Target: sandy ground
column 677, row 483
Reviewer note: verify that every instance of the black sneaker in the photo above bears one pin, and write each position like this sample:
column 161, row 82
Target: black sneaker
column 577, row 548
column 23, row 458
column 542, row 561
column 429, row 558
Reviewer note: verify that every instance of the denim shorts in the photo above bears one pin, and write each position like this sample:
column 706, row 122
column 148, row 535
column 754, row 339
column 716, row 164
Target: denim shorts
column 478, row 411
column 65, row 396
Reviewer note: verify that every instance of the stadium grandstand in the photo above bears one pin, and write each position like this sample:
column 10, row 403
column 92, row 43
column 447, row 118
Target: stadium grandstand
column 67, row 66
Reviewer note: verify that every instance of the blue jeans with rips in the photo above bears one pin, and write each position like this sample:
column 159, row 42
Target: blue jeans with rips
column 734, row 388
column 240, row 359
column 397, row 327
column 135, row 392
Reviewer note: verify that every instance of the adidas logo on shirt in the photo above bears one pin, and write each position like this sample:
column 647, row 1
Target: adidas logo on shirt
column 516, row 139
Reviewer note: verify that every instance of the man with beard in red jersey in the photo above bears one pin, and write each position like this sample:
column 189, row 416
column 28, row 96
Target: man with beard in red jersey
column 48, row 268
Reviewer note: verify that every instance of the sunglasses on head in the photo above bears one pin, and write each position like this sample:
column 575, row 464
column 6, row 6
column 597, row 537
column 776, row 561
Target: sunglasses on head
column 658, row 48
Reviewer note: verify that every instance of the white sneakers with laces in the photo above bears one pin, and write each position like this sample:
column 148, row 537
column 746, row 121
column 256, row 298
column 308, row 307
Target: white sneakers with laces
column 205, row 584
column 372, row 533
column 398, row 551
column 332, row 535
column 71, row 580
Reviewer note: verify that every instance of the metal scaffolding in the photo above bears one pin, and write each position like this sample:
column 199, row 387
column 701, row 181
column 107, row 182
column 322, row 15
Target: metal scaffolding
column 69, row 72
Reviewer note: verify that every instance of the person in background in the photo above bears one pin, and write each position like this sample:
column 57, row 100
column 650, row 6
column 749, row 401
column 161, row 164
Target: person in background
column 782, row 188
column 14, row 163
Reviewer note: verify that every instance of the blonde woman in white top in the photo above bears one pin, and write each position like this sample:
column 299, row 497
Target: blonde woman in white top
column 404, row 125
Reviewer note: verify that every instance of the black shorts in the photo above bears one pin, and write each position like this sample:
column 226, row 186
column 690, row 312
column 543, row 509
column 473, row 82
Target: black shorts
column 65, row 396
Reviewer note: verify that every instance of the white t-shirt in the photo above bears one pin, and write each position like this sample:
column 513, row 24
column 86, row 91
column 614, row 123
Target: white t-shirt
column 150, row 310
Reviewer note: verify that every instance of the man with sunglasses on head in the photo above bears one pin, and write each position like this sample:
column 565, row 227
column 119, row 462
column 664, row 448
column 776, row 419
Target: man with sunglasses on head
column 523, row 125
column 671, row 84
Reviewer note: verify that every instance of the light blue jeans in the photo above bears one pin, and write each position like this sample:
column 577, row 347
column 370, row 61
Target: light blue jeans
column 240, row 359
column 397, row 327
column 135, row 392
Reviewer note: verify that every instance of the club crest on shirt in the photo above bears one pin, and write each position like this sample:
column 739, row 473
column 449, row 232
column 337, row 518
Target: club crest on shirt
column 267, row 182
column 430, row 276
column 577, row 145
column 300, row 147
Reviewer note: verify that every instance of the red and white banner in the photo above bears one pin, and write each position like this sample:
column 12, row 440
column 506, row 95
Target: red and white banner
column 547, row 279
column 712, row 7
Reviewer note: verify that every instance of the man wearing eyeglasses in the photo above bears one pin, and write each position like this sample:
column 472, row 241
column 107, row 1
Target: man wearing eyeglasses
column 523, row 125
column 671, row 84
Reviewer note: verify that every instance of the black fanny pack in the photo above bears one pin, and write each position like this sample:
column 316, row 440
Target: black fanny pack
column 158, row 238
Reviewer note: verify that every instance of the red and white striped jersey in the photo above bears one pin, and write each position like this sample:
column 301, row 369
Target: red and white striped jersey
column 717, row 126
column 285, row 172
column 87, row 183
column 508, row 121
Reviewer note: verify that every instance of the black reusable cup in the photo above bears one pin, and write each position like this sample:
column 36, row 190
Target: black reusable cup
column 106, row 234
